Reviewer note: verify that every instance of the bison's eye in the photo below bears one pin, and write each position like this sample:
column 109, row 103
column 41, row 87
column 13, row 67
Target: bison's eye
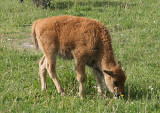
column 116, row 83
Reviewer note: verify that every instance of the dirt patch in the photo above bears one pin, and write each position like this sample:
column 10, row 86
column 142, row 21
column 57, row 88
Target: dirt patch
column 10, row 41
column 27, row 45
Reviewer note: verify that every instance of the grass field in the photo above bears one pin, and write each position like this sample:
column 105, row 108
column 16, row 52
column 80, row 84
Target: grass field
column 135, row 29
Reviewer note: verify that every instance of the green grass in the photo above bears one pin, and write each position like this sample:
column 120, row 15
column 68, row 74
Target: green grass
column 134, row 26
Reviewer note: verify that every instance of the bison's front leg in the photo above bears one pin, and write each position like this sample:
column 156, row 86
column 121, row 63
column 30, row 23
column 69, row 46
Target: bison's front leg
column 80, row 56
column 99, row 77
column 80, row 68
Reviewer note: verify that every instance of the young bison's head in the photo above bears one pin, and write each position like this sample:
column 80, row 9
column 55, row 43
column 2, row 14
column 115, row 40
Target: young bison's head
column 115, row 80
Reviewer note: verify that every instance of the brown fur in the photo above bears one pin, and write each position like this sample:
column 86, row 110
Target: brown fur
column 85, row 40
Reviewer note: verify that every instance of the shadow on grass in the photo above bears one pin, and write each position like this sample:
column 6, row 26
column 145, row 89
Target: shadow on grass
column 112, row 3
column 69, row 4
column 62, row 5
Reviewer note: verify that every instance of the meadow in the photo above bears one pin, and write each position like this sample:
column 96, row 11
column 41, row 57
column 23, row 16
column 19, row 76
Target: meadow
column 134, row 26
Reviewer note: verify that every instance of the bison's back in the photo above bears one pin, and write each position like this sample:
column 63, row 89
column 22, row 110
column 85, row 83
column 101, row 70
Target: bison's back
column 67, row 33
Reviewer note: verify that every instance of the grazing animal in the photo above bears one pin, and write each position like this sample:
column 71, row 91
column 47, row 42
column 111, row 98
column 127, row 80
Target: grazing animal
column 43, row 3
column 85, row 40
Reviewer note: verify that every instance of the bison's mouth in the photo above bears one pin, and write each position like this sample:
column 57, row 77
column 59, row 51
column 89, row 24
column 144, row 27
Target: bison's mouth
column 116, row 94
column 119, row 95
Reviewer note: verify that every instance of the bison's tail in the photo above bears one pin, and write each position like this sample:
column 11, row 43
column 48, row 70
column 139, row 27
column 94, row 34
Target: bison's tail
column 34, row 38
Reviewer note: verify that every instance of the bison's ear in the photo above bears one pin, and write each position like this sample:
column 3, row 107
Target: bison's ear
column 110, row 73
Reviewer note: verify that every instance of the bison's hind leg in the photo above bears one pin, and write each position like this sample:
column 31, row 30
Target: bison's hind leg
column 43, row 73
column 51, row 68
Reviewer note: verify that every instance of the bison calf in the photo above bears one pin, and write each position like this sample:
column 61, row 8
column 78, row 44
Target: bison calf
column 85, row 40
